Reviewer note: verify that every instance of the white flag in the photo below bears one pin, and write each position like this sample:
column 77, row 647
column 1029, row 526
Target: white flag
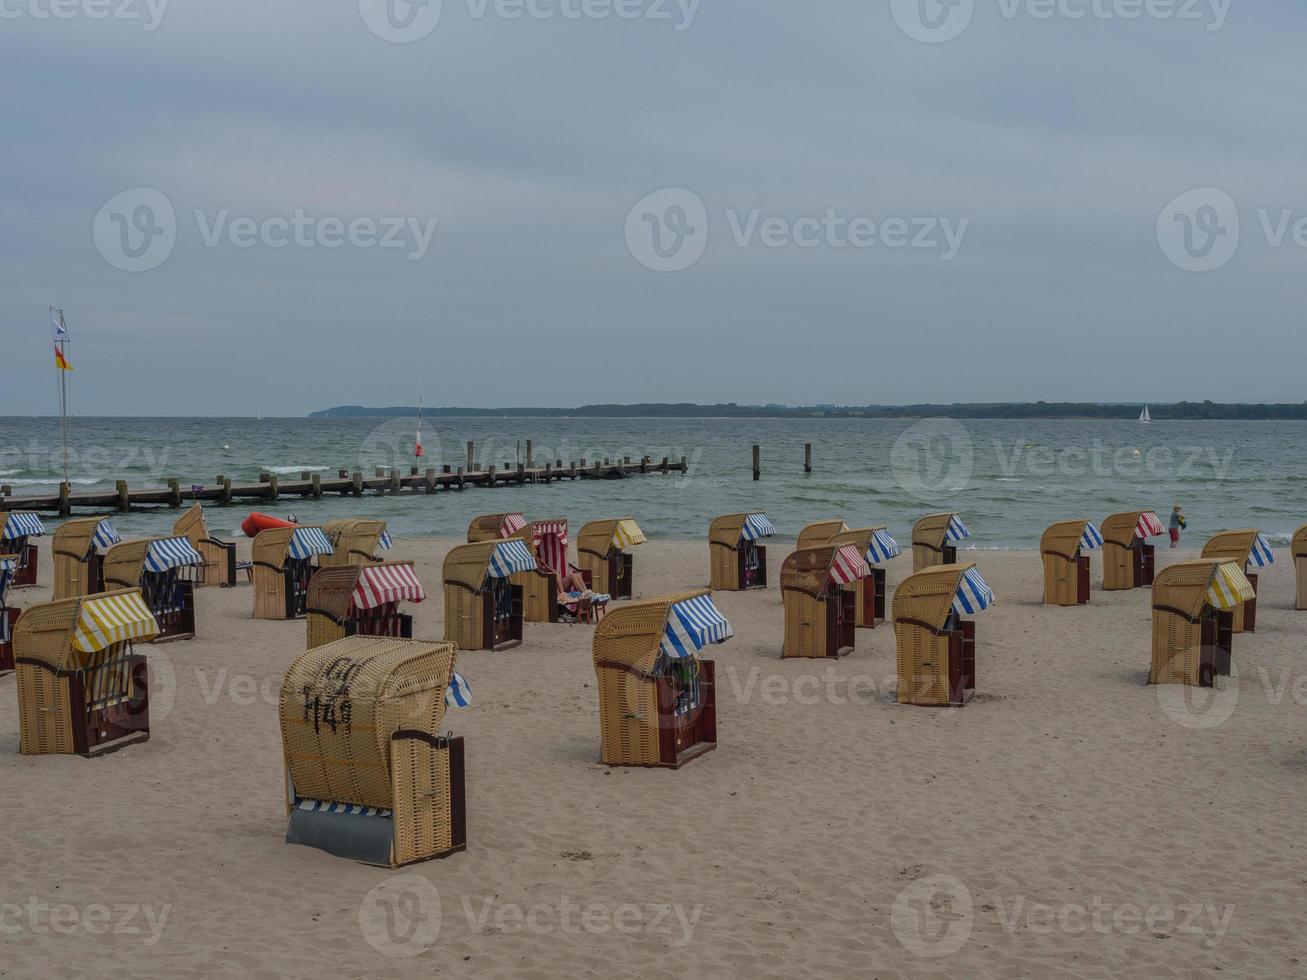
column 57, row 321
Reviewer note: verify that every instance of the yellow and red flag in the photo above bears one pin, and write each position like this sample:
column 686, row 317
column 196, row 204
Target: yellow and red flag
column 60, row 361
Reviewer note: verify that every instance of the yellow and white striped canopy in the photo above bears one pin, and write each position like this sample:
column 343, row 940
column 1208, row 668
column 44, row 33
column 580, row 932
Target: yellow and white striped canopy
column 628, row 533
column 1230, row 587
column 106, row 620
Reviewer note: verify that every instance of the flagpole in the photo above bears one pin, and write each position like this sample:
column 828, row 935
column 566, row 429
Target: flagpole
column 63, row 405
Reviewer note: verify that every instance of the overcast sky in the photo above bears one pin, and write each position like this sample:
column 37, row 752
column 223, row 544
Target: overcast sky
column 890, row 213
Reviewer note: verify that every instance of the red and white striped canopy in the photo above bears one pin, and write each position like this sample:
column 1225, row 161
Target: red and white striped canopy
column 551, row 545
column 1149, row 526
column 847, row 566
column 380, row 584
column 511, row 524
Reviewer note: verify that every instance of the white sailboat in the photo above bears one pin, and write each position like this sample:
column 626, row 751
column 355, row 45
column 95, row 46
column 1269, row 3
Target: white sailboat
column 1145, row 417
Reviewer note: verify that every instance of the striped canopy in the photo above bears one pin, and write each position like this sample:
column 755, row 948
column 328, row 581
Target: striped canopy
column 973, row 595
column 1092, row 538
column 306, row 542
column 757, row 526
column 883, row 547
column 106, row 620
column 378, row 585
column 627, row 533
column 106, row 536
column 22, row 525
column 551, row 544
column 458, row 694
column 1230, row 587
column 847, row 566
column 512, row 523
column 167, row 553
column 1149, row 526
column 957, row 531
column 1262, row 555
column 385, row 542
column 511, row 558
column 691, row 626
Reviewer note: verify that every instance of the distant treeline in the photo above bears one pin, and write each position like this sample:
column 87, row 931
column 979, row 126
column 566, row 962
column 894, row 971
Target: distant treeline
column 981, row 410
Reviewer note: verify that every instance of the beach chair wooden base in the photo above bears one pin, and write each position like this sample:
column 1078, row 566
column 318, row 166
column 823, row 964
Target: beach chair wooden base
column 8, row 619
column 1191, row 653
column 539, row 596
column 219, row 566
column 939, row 670
column 681, row 738
column 1300, row 565
column 819, row 628
column 59, row 717
column 1245, row 616
column 869, row 599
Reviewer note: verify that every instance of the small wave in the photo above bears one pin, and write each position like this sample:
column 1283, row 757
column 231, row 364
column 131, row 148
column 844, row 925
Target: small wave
column 283, row 470
column 1007, row 479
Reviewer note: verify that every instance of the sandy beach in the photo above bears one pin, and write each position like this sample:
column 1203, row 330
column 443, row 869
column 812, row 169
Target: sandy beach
column 1068, row 822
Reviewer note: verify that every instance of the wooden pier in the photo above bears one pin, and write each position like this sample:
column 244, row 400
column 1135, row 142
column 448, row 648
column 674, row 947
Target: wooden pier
column 346, row 484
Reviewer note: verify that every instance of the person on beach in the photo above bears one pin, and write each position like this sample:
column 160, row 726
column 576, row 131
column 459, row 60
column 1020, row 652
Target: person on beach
column 1177, row 523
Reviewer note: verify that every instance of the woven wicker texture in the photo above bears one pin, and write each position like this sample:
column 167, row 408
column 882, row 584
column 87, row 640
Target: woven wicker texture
column 467, row 564
column 356, row 541
column 331, row 599
column 1058, row 547
column 193, row 527
column 808, row 570
column 1298, row 549
column 1063, row 538
column 1235, row 546
column 1183, row 586
column 124, row 563
column 485, row 528
column 423, row 801
column 71, row 547
column 269, row 552
column 819, row 533
column 340, row 705
column 929, row 536
column 1118, row 536
column 1179, row 600
column 1119, row 529
column 723, row 540
column 928, row 596
column 860, row 538
column 593, row 542
column 922, row 604
column 628, row 699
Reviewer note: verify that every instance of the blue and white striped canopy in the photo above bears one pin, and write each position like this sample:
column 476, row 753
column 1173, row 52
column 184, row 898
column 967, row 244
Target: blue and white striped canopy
column 306, row 542
column 7, row 568
column 1092, row 538
column 511, row 558
column 169, row 553
column 1262, row 555
column 973, row 595
column 22, row 526
column 384, row 543
column 883, row 547
column 692, row 625
column 957, row 531
column 757, row 526
column 458, row 694
column 106, row 536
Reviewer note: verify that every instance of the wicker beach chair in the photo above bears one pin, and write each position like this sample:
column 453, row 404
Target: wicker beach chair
column 219, row 566
column 17, row 528
column 936, row 645
column 1298, row 548
column 1193, row 620
column 164, row 569
column 1248, row 549
column 819, row 533
column 8, row 617
column 657, row 698
column 1129, row 561
column 819, row 608
column 1066, row 566
column 601, row 552
column 285, row 559
column 369, row 775
column 877, row 546
column 357, row 541
column 78, row 547
column 361, row 600
column 494, row 527
column 935, row 538
column 736, row 559
column 82, row 689
column 484, row 608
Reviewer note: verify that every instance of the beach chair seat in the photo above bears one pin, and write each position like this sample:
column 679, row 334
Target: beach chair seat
column 601, row 550
column 935, row 644
column 484, row 602
column 737, row 559
column 220, row 564
column 1194, row 605
column 819, row 609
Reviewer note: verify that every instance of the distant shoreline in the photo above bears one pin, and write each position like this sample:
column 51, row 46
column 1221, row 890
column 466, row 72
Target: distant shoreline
column 991, row 411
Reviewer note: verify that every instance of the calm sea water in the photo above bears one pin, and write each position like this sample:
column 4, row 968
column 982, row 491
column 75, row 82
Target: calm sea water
column 1009, row 479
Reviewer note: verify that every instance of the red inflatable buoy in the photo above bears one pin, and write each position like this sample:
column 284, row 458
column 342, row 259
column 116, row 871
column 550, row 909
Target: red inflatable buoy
column 256, row 522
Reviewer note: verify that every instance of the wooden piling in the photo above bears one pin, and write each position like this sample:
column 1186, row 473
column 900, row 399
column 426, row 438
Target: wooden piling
column 757, row 463
column 316, row 480
column 124, row 496
column 65, row 508
column 429, row 480
column 807, row 457
column 357, row 481
column 226, row 490
column 174, row 494
column 273, row 490
column 471, row 456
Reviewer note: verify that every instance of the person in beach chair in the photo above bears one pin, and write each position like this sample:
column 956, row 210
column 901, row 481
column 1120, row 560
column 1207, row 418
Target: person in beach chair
column 577, row 603
column 1178, row 523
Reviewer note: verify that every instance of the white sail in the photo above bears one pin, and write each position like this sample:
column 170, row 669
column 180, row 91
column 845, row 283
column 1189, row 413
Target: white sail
column 1145, row 415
